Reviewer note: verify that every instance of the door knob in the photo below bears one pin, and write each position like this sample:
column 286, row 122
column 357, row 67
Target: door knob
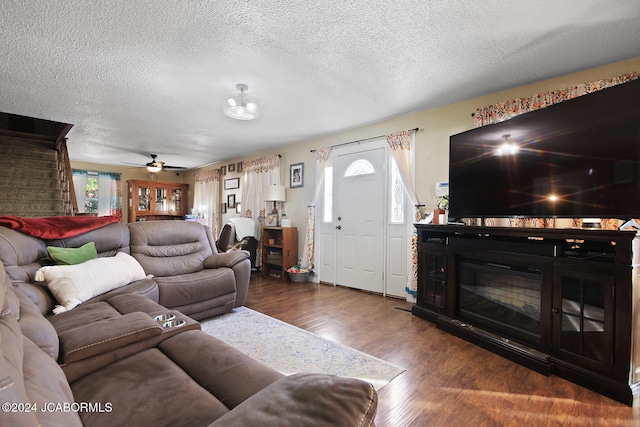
column 339, row 227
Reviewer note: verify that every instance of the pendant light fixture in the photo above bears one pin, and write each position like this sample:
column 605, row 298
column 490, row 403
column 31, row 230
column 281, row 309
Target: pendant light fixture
column 241, row 106
column 507, row 147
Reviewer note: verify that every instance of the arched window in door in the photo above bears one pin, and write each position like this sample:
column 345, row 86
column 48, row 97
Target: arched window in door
column 359, row 167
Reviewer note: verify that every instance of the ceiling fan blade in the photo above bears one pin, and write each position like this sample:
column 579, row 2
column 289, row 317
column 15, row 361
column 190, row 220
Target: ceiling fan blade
column 154, row 163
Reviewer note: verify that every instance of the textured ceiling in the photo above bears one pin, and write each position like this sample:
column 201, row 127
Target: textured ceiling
column 149, row 76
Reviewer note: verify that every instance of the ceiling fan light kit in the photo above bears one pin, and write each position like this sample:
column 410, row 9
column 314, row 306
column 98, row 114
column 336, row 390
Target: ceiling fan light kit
column 241, row 106
column 155, row 166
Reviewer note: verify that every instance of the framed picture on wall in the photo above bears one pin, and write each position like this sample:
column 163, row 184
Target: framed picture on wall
column 231, row 201
column 223, row 208
column 231, row 167
column 223, row 170
column 239, row 167
column 296, row 175
column 231, row 184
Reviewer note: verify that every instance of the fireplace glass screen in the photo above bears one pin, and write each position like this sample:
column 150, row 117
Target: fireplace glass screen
column 501, row 298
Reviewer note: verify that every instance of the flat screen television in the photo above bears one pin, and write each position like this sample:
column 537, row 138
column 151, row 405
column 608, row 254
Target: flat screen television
column 576, row 159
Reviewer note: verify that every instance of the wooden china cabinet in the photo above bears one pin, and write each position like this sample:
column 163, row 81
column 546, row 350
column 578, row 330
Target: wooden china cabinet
column 152, row 200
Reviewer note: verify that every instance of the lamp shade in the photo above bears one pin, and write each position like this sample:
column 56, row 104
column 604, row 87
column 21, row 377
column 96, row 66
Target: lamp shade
column 275, row 193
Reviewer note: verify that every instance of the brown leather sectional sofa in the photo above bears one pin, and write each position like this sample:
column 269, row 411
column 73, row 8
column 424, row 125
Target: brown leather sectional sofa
column 125, row 359
column 188, row 272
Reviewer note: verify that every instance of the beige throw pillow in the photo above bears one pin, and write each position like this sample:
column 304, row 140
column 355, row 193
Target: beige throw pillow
column 74, row 284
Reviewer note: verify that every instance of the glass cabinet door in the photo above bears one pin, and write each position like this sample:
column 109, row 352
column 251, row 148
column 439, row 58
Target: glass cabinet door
column 433, row 277
column 176, row 200
column 144, row 199
column 161, row 199
column 583, row 319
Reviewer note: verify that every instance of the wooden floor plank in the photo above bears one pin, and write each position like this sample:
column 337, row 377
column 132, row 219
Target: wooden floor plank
column 448, row 382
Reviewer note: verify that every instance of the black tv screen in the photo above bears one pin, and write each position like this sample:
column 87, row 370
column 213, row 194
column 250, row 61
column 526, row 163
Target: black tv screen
column 576, row 159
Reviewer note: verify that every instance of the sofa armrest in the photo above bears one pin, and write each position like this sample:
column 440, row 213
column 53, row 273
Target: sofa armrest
column 239, row 262
column 39, row 294
column 307, row 400
column 226, row 259
column 106, row 335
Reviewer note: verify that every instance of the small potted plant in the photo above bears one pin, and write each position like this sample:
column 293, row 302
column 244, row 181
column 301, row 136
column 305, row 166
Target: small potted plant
column 440, row 214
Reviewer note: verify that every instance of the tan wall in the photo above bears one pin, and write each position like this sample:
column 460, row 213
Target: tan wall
column 432, row 141
column 128, row 172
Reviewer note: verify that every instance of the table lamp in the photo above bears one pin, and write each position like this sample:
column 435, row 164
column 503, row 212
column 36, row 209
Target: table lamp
column 274, row 193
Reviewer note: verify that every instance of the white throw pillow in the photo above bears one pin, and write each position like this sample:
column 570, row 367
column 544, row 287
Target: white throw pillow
column 74, row 284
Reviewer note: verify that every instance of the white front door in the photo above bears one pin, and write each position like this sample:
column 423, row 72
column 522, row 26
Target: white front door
column 359, row 220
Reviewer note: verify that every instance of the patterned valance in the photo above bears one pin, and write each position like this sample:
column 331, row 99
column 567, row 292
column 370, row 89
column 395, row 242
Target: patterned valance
column 208, row 176
column 505, row 110
column 322, row 154
column 262, row 165
column 399, row 140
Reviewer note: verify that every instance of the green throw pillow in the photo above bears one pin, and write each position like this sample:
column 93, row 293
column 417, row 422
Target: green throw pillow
column 72, row 256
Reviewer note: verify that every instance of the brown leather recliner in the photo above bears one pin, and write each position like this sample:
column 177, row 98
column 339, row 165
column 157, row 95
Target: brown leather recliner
column 191, row 274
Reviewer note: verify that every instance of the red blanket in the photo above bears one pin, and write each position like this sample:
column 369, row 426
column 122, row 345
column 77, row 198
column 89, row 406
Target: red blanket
column 57, row 227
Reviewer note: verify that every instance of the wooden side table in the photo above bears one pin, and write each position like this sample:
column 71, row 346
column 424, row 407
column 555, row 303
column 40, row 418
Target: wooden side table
column 279, row 251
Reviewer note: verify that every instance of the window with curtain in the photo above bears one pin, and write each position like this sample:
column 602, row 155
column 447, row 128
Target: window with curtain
column 258, row 174
column 206, row 197
column 98, row 193
column 401, row 146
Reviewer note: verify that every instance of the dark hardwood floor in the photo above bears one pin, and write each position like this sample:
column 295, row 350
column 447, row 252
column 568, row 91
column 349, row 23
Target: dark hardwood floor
column 448, row 382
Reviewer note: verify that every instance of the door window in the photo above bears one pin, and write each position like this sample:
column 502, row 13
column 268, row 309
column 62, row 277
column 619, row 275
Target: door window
column 359, row 167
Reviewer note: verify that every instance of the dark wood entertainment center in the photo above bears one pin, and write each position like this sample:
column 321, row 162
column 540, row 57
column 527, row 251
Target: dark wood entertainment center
column 559, row 301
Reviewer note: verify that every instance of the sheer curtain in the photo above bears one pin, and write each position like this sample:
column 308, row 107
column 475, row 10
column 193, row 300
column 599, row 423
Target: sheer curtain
column 79, row 177
column 206, row 197
column 308, row 256
column 258, row 174
column 109, row 194
column 401, row 143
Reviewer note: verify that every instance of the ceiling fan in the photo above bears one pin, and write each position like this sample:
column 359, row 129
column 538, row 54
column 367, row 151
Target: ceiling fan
column 155, row 166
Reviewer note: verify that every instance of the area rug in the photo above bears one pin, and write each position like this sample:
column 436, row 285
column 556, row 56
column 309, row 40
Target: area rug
column 289, row 349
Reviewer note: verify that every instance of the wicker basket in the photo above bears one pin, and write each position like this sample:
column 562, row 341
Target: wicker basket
column 299, row 277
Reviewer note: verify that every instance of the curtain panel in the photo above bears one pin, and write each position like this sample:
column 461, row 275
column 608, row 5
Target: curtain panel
column 257, row 174
column 109, row 194
column 79, row 177
column 505, row 110
column 206, row 197
column 400, row 143
column 308, row 255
